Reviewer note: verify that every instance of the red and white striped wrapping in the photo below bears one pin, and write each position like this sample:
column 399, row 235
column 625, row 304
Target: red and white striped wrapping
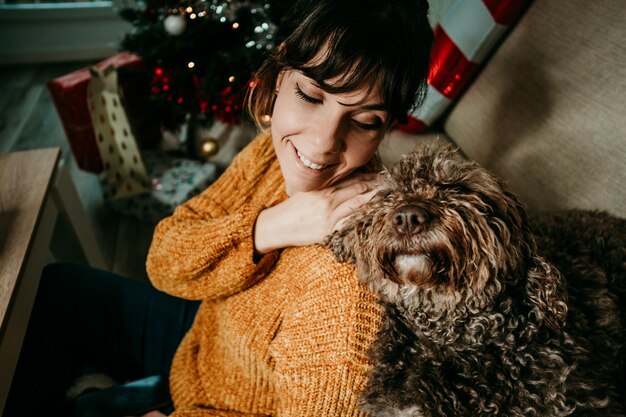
column 464, row 36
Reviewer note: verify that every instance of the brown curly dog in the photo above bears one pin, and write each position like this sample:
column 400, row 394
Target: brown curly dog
column 477, row 322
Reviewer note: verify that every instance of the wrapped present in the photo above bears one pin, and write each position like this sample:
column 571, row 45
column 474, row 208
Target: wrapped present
column 123, row 168
column 174, row 180
column 69, row 94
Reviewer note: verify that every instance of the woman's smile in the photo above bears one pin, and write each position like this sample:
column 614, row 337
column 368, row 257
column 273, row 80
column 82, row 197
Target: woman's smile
column 308, row 163
column 305, row 168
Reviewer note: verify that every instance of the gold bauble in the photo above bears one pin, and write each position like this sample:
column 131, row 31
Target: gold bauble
column 209, row 147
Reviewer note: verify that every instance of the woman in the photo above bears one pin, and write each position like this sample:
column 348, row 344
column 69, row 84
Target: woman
column 283, row 328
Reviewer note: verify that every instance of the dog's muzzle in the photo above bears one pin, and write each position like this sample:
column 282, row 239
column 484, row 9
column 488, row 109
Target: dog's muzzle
column 410, row 219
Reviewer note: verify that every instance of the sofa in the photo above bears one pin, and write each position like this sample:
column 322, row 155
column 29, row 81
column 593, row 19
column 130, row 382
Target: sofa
column 547, row 112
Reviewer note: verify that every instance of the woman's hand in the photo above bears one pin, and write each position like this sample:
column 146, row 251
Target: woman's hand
column 306, row 218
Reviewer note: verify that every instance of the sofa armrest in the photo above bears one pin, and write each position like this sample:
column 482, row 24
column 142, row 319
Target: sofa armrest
column 547, row 114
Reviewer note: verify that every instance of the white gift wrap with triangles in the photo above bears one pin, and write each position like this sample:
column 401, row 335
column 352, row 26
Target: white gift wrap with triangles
column 125, row 173
column 174, row 181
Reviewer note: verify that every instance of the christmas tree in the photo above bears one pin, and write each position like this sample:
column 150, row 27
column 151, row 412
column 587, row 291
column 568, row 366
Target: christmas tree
column 200, row 55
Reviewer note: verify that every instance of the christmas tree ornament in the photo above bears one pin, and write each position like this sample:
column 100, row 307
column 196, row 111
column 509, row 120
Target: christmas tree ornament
column 174, row 24
column 124, row 170
column 209, row 147
column 220, row 143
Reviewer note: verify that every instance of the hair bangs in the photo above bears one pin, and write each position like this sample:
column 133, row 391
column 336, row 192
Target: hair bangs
column 338, row 63
column 350, row 45
column 343, row 59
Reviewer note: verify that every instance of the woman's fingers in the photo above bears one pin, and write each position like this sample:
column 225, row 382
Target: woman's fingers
column 345, row 209
column 351, row 188
column 349, row 195
column 305, row 218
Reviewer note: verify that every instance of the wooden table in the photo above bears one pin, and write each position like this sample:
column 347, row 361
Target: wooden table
column 35, row 188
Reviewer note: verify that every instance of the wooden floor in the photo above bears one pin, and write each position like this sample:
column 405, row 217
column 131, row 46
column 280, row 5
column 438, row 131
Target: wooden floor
column 28, row 120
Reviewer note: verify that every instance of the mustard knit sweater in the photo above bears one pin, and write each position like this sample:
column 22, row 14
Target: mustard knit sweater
column 284, row 335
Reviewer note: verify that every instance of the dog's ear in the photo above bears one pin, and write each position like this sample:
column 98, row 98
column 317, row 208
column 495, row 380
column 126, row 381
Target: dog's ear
column 546, row 294
column 341, row 243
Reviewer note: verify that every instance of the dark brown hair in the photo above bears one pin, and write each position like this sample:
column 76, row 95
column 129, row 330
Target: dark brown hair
column 366, row 43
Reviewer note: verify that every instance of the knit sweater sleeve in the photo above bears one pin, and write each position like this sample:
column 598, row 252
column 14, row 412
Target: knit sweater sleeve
column 205, row 249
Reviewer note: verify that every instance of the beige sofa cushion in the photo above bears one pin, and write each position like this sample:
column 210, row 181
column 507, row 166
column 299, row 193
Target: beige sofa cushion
column 397, row 144
column 548, row 113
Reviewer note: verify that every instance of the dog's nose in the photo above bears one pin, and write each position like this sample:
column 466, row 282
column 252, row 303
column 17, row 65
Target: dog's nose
column 408, row 218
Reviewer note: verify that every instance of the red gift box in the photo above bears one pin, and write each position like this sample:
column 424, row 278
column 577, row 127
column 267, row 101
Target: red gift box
column 69, row 94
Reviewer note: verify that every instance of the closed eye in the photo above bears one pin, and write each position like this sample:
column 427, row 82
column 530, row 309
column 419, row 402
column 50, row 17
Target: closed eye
column 368, row 126
column 312, row 100
column 307, row 98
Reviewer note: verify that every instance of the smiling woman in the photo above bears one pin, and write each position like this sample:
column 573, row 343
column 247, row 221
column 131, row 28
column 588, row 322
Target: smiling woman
column 283, row 328
column 345, row 73
column 341, row 78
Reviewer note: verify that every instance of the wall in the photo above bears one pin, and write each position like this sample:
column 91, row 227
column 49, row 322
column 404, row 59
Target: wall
column 48, row 32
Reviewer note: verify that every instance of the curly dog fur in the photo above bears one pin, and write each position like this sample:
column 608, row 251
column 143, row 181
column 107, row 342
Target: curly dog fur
column 477, row 322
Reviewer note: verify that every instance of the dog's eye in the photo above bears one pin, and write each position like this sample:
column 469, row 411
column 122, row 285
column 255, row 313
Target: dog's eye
column 384, row 195
column 456, row 187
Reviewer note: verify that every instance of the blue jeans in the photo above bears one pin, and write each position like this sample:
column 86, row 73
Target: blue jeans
column 88, row 320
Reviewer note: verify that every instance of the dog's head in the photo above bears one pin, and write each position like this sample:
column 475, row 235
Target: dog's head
column 444, row 227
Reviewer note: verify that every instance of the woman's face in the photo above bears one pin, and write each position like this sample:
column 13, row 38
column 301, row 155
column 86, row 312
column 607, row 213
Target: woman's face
column 321, row 138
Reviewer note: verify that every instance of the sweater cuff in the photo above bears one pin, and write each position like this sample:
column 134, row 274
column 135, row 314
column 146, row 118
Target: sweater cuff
column 256, row 266
column 323, row 392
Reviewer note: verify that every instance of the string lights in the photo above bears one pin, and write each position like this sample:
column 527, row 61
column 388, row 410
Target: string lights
column 201, row 55
column 221, row 11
